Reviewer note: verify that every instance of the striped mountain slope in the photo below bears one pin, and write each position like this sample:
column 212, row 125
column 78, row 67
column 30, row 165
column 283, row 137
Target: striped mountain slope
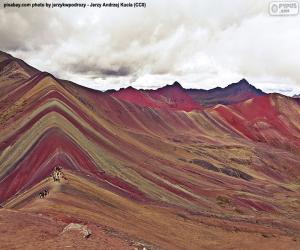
column 174, row 163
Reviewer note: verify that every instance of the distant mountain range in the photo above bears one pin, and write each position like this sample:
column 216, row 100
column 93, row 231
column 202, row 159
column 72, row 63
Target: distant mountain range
column 170, row 96
column 171, row 168
column 176, row 97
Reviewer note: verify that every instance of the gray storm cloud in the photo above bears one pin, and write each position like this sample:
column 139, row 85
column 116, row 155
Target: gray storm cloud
column 202, row 44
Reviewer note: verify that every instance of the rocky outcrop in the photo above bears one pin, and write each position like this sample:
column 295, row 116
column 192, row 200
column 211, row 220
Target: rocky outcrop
column 78, row 227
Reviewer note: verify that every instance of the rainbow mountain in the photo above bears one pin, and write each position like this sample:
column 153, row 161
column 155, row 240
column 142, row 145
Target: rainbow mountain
column 171, row 168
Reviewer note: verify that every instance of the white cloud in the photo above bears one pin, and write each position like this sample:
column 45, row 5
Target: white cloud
column 201, row 44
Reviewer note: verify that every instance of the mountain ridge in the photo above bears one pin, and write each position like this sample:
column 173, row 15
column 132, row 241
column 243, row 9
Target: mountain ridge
column 233, row 93
column 196, row 99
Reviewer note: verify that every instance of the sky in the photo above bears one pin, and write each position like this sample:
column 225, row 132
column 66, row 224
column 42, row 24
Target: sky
column 201, row 44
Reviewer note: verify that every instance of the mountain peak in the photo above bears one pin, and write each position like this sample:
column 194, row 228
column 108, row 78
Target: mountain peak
column 176, row 84
column 243, row 81
column 243, row 85
column 130, row 88
column 233, row 93
column 4, row 56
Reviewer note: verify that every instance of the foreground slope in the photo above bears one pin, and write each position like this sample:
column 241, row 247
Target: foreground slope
column 80, row 198
column 152, row 173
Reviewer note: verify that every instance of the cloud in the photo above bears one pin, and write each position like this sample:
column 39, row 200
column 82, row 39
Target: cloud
column 202, row 44
column 97, row 71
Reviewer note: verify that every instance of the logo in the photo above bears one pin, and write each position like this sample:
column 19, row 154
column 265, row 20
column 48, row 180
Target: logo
column 284, row 8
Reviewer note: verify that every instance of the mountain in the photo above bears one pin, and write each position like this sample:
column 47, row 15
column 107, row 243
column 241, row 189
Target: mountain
column 172, row 97
column 154, row 168
column 233, row 93
column 13, row 72
column 296, row 96
column 177, row 98
column 4, row 56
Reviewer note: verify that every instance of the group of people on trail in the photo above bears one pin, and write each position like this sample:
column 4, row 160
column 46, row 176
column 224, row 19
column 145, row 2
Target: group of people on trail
column 57, row 174
column 43, row 194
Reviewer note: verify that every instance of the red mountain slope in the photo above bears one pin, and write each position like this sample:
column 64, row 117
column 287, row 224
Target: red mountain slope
column 265, row 119
column 172, row 97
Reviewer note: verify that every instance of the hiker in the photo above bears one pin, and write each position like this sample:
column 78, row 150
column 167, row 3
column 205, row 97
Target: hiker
column 43, row 193
column 58, row 176
column 53, row 176
column 46, row 192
